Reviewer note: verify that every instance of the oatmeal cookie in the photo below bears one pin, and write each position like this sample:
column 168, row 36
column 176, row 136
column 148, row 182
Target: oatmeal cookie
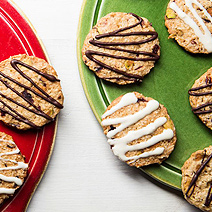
column 197, row 179
column 189, row 22
column 13, row 168
column 201, row 98
column 121, row 48
column 139, row 130
column 30, row 92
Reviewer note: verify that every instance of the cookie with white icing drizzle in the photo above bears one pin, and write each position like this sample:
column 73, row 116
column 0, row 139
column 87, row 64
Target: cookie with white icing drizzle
column 121, row 48
column 201, row 98
column 13, row 168
column 30, row 92
column 139, row 130
column 197, row 179
column 189, row 22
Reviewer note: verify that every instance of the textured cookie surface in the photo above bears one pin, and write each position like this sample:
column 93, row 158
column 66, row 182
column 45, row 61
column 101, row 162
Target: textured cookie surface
column 201, row 98
column 139, row 130
column 13, row 169
column 189, row 22
column 30, row 93
column 196, row 179
column 121, row 48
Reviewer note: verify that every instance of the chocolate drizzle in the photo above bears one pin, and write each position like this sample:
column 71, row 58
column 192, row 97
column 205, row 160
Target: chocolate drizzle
column 195, row 177
column 124, row 78
column 152, row 56
column 209, row 197
column 14, row 63
column 25, row 95
column 51, row 78
column 198, row 88
column 194, row 92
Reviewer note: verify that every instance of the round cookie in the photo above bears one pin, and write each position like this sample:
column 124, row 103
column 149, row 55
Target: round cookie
column 30, row 93
column 139, row 130
column 13, row 169
column 196, row 179
column 201, row 98
column 189, row 22
column 121, row 48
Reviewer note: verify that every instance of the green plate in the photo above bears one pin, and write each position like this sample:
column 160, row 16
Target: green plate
column 168, row 82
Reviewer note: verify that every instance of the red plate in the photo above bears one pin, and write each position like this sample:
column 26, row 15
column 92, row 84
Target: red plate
column 17, row 37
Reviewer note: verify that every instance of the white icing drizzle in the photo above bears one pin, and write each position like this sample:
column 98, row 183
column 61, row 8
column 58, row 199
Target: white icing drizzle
column 126, row 100
column 19, row 165
column 7, row 191
column 126, row 121
column 206, row 38
column 120, row 145
column 8, row 141
column 120, row 148
column 157, row 151
column 16, row 151
column 11, row 179
column 132, row 135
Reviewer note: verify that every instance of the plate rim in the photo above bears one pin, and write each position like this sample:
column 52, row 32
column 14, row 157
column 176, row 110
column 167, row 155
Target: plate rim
column 23, row 15
column 79, row 61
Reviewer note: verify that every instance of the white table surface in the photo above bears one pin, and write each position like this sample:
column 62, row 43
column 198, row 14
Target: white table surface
column 83, row 174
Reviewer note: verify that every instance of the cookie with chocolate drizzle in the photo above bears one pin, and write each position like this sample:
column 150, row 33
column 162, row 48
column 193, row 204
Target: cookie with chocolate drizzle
column 30, row 92
column 197, row 179
column 139, row 130
column 13, row 168
column 201, row 98
column 121, row 48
